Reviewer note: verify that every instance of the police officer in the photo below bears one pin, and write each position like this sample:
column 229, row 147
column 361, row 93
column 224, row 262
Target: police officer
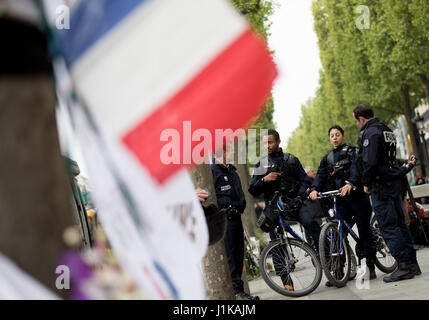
column 381, row 178
column 230, row 195
column 337, row 170
column 267, row 180
column 283, row 172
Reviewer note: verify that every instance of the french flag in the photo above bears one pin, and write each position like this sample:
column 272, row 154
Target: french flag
column 143, row 66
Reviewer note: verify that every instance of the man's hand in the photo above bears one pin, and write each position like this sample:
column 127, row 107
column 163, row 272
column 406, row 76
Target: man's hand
column 313, row 195
column 411, row 161
column 367, row 190
column 271, row 176
column 202, row 194
column 346, row 190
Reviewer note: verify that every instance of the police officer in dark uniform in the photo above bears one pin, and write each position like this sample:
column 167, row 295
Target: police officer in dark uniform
column 267, row 179
column 337, row 170
column 230, row 195
column 381, row 177
column 283, row 172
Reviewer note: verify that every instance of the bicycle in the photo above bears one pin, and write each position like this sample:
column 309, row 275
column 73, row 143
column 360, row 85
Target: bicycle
column 289, row 266
column 384, row 260
column 335, row 251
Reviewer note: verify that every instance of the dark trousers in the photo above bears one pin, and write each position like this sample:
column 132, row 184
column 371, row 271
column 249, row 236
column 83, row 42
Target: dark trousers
column 311, row 226
column 305, row 217
column 234, row 245
column 390, row 217
column 359, row 207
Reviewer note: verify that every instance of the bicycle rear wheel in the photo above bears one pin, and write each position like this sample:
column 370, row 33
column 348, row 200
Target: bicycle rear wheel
column 353, row 263
column 335, row 262
column 294, row 276
column 383, row 259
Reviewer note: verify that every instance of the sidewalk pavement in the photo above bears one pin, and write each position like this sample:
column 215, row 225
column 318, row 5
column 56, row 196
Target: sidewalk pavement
column 413, row 289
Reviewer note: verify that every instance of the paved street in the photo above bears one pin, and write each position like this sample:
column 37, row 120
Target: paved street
column 414, row 289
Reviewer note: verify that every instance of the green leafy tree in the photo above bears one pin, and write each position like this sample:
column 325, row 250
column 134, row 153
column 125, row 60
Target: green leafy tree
column 384, row 64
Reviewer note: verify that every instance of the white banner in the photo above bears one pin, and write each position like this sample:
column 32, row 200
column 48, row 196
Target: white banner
column 153, row 246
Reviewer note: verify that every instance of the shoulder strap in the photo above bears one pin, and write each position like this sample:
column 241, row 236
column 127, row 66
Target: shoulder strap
column 380, row 125
column 330, row 158
column 349, row 151
column 289, row 159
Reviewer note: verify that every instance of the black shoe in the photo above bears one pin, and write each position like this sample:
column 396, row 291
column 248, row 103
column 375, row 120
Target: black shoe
column 402, row 273
column 329, row 284
column 245, row 296
column 414, row 267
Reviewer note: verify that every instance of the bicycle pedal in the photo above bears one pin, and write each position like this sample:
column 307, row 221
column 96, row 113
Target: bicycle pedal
column 288, row 287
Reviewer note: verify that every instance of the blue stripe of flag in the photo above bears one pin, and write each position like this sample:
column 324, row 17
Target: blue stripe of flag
column 89, row 22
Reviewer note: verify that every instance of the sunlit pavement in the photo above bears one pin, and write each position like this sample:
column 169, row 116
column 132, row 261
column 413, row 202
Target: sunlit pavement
column 413, row 289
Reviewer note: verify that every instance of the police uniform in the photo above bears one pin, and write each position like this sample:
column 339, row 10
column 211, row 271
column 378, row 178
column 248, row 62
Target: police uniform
column 293, row 183
column 380, row 171
column 337, row 167
column 229, row 193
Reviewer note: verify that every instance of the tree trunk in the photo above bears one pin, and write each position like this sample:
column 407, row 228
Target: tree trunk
column 249, row 216
column 410, row 126
column 215, row 263
column 34, row 190
column 425, row 82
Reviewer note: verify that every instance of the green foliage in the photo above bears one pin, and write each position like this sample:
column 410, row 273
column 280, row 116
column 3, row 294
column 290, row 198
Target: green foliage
column 419, row 10
column 257, row 12
column 362, row 66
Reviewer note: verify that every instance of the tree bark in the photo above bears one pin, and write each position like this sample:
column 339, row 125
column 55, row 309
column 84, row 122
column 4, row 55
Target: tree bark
column 34, row 190
column 410, row 126
column 425, row 82
column 215, row 263
column 249, row 216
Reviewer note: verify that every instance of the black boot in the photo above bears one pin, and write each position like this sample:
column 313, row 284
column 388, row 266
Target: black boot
column 415, row 269
column 402, row 273
column 371, row 266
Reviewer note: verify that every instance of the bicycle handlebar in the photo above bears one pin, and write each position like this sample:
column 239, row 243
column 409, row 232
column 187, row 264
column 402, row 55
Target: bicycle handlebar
column 329, row 194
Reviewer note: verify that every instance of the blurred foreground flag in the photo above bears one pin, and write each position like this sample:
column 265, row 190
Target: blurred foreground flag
column 145, row 66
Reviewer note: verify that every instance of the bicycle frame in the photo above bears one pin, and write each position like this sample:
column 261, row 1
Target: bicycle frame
column 284, row 224
column 340, row 220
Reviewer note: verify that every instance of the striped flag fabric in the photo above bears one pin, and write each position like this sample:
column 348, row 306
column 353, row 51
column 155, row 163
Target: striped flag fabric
column 141, row 67
column 144, row 66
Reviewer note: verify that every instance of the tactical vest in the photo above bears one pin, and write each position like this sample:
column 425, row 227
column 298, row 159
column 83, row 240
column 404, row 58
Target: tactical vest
column 289, row 184
column 341, row 168
column 388, row 147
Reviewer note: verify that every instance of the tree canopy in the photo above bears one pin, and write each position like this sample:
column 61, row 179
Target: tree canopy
column 373, row 52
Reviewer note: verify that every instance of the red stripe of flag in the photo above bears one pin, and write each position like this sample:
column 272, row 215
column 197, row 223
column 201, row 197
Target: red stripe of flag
column 226, row 94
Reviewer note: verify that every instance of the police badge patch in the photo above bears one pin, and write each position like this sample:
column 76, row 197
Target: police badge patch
column 225, row 188
column 389, row 136
column 366, row 143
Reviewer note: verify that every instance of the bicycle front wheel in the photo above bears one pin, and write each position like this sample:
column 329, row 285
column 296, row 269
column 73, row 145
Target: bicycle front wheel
column 383, row 259
column 295, row 272
column 335, row 259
